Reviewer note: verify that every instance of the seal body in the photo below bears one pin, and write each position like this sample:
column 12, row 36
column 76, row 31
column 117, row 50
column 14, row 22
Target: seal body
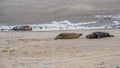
column 98, row 35
column 22, row 28
column 68, row 36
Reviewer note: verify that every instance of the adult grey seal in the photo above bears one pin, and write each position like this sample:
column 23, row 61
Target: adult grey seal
column 68, row 36
column 22, row 28
column 98, row 34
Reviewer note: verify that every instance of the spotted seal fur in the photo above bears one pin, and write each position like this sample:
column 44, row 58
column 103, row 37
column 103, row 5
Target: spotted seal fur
column 68, row 36
column 98, row 34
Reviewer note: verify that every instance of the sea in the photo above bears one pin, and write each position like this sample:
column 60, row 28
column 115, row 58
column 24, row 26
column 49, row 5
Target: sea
column 101, row 22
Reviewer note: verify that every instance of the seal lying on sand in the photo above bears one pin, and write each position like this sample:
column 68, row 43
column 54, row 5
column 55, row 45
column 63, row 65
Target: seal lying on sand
column 96, row 35
column 68, row 36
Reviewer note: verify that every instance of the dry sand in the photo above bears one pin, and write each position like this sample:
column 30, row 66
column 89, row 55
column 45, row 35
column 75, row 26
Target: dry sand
column 40, row 50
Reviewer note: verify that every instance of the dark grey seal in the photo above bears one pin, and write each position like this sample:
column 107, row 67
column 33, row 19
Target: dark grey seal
column 68, row 36
column 98, row 34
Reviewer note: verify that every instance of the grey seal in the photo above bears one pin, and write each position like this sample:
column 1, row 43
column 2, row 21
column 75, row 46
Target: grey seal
column 68, row 36
column 98, row 34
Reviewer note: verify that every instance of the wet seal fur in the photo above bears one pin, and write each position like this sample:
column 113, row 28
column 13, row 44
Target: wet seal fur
column 96, row 35
column 22, row 28
column 68, row 36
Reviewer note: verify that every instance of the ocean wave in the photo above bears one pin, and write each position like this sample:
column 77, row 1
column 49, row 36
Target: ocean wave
column 65, row 25
column 114, row 23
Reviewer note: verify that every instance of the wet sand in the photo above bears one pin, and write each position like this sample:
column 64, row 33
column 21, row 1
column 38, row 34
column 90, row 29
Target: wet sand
column 40, row 50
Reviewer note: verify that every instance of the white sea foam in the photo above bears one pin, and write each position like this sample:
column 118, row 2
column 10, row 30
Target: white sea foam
column 117, row 16
column 67, row 25
column 5, row 28
column 103, row 16
column 60, row 25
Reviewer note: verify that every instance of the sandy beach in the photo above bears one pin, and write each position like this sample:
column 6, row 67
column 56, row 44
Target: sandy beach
column 40, row 50
column 31, row 49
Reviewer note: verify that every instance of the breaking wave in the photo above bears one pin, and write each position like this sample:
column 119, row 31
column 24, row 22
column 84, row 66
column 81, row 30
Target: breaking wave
column 113, row 23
